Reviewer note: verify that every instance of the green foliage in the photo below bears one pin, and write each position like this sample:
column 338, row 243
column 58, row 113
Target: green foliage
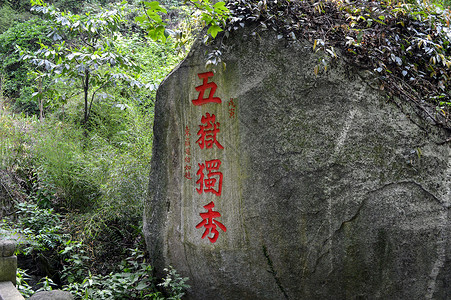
column 38, row 229
column 97, row 179
column 174, row 284
column 62, row 166
column 13, row 141
column 77, row 262
column 22, row 279
column 406, row 45
column 8, row 16
column 151, row 20
column 213, row 15
column 134, row 279
column 15, row 82
column 87, row 55
column 18, row 5
column 413, row 56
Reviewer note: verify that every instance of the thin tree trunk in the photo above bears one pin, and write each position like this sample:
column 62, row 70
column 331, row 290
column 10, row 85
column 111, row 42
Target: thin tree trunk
column 86, row 113
column 86, row 88
column 1, row 92
column 41, row 101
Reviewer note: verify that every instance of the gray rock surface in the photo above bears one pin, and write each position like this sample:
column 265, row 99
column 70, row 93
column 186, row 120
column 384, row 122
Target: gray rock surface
column 52, row 295
column 9, row 292
column 8, row 261
column 7, row 248
column 329, row 190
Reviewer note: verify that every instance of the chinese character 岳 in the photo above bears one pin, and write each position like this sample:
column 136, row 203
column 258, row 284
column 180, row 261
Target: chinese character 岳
column 208, row 132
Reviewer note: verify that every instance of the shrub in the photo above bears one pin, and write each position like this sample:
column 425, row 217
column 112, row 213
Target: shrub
column 60, row 163
column 26, row 35
column 134, row 280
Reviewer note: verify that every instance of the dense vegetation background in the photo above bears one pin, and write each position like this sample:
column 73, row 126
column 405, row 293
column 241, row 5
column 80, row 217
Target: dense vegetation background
column 77, row 88
column 73, row 187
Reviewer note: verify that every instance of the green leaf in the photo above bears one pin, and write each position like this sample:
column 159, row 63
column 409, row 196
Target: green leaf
column 214, row 30
column 207, row 18
column 220, row 6
column 141, row 286
column 155, row 6
column 140, row 19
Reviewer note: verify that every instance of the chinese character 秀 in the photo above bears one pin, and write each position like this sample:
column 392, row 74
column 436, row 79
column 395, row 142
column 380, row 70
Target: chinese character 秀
column 210, row 223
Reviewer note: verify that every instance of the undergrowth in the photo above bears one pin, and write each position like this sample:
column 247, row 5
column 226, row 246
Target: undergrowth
column 67, row 265
column 73, row 197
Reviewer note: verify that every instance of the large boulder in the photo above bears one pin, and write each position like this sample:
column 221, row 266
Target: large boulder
column 52, row 295
column 329, row 190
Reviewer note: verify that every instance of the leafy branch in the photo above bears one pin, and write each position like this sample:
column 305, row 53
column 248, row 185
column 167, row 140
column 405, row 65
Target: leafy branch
column 215, row 17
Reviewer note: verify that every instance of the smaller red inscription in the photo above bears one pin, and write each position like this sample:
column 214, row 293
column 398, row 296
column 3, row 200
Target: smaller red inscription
column 232, row 107
column 209, row 223
column 187, row 173
column 202, row 88
column 187, row 133
column 208, row 132
column 208, row 185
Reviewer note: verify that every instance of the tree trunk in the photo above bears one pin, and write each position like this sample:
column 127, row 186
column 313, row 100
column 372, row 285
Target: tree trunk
column 1, row 93
column 86, row 112
column 41, row 101
column 86, row 88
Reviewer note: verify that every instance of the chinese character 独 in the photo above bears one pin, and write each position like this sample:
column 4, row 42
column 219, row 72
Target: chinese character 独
column 209, row 223
column 206, row 85
column 208, row 184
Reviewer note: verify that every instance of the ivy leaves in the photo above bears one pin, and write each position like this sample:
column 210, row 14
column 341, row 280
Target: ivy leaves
column 407, row 46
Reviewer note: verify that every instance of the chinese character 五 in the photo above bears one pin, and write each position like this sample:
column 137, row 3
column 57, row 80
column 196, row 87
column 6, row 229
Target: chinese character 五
column 202, row 88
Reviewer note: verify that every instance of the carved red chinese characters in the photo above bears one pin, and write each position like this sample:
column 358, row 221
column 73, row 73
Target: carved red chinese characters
column 232, row 107
column 209, row 223
column 208, row 184
column 210, row 178
column 208, row 132
column 202, row 88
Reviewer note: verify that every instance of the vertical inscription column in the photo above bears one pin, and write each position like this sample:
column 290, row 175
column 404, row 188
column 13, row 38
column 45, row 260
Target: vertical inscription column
column 209, row 176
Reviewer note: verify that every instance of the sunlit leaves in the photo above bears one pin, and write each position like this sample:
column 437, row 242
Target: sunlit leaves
column 213, row 15
column 152, row 21
column 214, row 30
